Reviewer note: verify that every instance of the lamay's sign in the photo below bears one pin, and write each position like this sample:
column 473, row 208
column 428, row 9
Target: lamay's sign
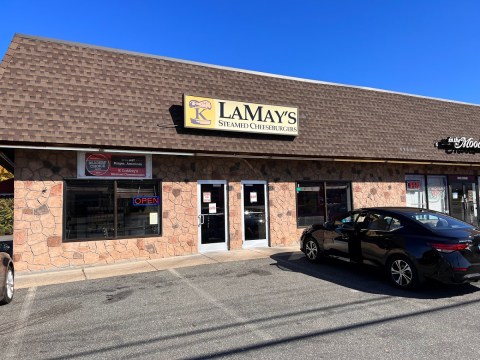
column 226, row 115
column 459, row 145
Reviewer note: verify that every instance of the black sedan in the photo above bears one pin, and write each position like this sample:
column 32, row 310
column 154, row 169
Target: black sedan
column 6, row 275
column 410, row 244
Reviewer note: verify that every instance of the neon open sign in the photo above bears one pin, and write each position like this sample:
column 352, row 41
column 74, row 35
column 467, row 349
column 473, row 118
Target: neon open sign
column 146, row 200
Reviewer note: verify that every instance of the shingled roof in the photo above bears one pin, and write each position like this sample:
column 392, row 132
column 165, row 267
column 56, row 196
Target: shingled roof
column 56, row 93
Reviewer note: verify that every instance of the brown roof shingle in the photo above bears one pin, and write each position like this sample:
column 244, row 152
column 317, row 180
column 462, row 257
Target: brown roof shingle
column 59, row 93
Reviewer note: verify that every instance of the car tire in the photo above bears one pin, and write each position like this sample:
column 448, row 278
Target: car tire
column 402, row 273
column 312, row 250
column 8, row 288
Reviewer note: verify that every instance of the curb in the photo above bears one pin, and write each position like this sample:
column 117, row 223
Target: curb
column 26, row 280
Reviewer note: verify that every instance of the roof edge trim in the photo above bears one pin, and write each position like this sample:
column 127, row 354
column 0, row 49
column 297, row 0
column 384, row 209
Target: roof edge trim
column 241, row 156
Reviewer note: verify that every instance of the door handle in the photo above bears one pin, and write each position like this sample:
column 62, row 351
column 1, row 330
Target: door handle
column 201, row 220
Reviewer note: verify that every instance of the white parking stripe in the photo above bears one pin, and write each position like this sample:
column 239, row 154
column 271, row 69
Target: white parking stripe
column 262, row 334
column 19, row 332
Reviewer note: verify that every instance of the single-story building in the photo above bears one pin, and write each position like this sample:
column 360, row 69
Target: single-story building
column 120, row 155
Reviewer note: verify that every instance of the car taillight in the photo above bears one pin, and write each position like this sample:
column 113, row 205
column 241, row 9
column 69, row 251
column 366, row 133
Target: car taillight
column 447, row 248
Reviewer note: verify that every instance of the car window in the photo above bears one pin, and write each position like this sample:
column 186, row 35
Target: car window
column 361, row 218
column 383, row 222
column 377, row 222
column 393, row 223
column 439, row 222
column 347, row 221
column 350, row 220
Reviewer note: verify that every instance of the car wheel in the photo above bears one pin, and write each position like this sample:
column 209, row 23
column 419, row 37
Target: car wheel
column 402, row 273
column 312, row 250
column 8, row 288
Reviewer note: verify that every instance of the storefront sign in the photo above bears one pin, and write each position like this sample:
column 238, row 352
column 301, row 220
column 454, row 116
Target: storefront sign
column 227, row 115
column 435, row 192
column 413, row 185
column 470, row 195
column 114, row 166
column 153, row 218
column 308, row 188
column 212, row 208
column 146, row 200
column 207, row 197
column 459, row 145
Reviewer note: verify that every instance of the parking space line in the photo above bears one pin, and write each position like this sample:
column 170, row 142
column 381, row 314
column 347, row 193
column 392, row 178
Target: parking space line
column 21, row 326
column 262, row 334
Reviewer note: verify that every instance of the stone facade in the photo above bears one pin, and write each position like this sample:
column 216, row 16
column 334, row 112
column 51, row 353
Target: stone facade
column 38, row 209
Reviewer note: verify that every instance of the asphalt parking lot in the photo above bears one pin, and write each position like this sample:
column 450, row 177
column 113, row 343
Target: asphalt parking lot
column 280, row 307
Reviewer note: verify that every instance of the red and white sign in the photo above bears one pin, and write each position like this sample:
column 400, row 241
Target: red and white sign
column 110, row 165
column 414, row 185
column 253, row 197
column 207, row 197
column 212, row 208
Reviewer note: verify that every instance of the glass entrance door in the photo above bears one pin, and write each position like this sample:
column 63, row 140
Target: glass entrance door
column 463, row 198
column 212, row 216
column 254, row 213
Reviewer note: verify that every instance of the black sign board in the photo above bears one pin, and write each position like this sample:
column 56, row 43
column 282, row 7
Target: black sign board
column 459, row 145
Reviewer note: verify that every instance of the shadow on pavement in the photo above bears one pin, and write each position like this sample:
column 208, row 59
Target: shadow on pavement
column 364, row 278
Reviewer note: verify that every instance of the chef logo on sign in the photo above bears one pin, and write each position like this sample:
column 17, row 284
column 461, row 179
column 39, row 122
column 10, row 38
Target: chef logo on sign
column 200, row 115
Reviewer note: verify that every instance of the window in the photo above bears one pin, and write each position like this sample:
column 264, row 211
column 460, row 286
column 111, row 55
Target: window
column 393, row 224
column 437, row 193
column 377, row 222
column 106, row 209
column 439, row 222
column 380, row 222
column 312, row 208
column 310, row 203
column 338, row 199
column 416, row 196
column 351, row 220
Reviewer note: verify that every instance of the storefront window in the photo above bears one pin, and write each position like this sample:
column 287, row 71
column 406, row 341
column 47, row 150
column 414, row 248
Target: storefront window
column 338, row 199
column 312, row 207
column 137, row 219
column 310, row 203
column 106, row 209
column 416, row 196
column 437, row 193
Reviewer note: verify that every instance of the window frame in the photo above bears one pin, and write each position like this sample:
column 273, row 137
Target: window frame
column 114, row 182
column 425, row 178
column 323, row 183
column 383, row 217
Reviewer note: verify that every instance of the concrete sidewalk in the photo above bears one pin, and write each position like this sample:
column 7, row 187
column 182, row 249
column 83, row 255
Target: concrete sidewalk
column 26, row 280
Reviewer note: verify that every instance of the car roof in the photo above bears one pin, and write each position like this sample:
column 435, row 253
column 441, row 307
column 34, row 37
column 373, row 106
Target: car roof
column 397, row 210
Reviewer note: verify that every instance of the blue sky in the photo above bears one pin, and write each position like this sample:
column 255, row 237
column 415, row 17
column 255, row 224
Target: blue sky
column 423, row 47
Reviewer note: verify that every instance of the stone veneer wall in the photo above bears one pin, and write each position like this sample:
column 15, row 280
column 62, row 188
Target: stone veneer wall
column 38, row 205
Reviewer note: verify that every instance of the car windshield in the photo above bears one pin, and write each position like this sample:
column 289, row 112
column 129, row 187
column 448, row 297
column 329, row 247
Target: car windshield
column 439, row 222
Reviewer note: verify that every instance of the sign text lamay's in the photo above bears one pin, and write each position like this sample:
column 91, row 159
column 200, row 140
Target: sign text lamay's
column 227, row 115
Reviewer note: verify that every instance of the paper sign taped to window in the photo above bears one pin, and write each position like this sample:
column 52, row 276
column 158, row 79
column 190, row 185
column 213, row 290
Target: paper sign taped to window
column 253, row 197
column 153, row 218
column 207, row 197
column 470, row 195
column 212, row 208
